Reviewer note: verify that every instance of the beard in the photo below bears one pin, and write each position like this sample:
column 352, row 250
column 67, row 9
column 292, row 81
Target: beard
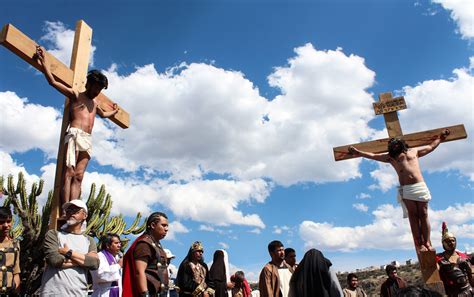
column 72, row 222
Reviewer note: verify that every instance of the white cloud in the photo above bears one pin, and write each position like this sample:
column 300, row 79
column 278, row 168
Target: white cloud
column 363, row 196
column 360, row 207
column 224, row 245
column 60, row 41
column 174, row 229
column 389, row 225
column 26, row 126
column 256, row 231
column 199, row 119
column 385, row 176
column 462, row 12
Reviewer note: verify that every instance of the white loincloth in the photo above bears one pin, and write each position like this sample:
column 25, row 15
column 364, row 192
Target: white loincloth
column 77, row 141
column 416, row 192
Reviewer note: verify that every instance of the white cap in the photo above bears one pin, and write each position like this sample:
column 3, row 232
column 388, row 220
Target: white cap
column 169, row 254
column 76, row 202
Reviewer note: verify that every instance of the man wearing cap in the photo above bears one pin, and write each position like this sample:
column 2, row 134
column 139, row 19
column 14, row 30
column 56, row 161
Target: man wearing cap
column 69, row 254
column 145, row 272
column 454, row 268
column 193, row 274
column 172, row 271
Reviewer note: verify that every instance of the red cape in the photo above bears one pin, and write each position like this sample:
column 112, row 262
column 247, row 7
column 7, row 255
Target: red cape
column 129, row 286
column 461, row 255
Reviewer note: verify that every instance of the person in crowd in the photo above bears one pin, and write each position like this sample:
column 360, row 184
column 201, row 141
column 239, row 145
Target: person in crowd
column 393, row 283
column 454, row 267
column 413, row 291
column 193, row 274
column 107, row 279
column 241, row 287
column 219, row 274
column 69, row 254
column 290, row 258
column 314, row 277
column 353, row 289
column 172, row 272
column 275, row 276
column 9, row 256
column 145, row 271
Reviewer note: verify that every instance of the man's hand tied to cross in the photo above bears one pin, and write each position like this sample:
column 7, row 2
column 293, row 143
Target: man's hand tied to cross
column 413, row 194
column 83, row 108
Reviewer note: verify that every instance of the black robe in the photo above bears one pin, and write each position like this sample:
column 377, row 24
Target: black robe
column 217, row 275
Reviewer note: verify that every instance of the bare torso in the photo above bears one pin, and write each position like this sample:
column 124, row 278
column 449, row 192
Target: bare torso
column 407, row 167
column 83, row 111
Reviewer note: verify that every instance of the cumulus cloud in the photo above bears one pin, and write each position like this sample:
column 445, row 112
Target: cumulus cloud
column 363, row 196
column 387, row 224
column 60, row 40
column 360, row 207
column 26, row 126
column 462, row 12
column 175, row 228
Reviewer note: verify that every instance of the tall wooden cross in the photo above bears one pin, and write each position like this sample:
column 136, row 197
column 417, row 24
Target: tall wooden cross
column 73, row 76
column 389, row 106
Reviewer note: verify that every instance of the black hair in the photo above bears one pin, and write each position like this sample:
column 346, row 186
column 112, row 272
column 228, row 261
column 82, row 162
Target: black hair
column 289, row 250
column 239, row 276
column 95, row 76
column 156, row 216
column 107, row 240
column 396, row 146
column 350, row 276
column 5, row 212
column 272, row 246
column 390, row 268
column 413, row 291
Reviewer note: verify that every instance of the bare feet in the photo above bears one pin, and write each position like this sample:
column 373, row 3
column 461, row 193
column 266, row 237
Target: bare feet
column 422, row 248
column 429, row 247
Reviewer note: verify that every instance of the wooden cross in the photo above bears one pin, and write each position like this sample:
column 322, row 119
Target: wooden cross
column 389, row 106
column 73, row 76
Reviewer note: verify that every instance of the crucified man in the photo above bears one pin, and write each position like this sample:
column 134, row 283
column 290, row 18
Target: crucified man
column 413, row 194
column 83, row 108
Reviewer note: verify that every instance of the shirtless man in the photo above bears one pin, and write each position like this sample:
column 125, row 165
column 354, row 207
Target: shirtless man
column 83, row 108
column 413, row 192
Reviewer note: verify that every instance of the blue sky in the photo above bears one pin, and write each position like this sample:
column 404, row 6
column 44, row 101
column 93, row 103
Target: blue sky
column 235, row 107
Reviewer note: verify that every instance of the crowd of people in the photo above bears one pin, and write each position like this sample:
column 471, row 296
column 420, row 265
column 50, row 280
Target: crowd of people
column 146, row 269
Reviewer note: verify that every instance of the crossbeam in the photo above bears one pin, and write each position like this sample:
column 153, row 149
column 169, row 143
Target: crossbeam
column 24, row 47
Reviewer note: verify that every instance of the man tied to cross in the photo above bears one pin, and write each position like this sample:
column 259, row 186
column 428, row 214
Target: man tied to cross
column 413, row 193
column 84, row 107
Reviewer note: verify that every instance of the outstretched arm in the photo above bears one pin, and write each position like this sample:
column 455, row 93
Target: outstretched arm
column 42, row 60
column 377, row 157
column 107, row 114
column 426, row 149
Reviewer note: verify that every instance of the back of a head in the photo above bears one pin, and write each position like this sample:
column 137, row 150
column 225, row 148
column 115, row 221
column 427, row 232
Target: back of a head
column 413, row 291
column 289, row 250
column 274, row 245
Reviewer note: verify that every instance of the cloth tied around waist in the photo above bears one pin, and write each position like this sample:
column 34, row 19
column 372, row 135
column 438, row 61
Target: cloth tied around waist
column 415, row 192
column 77, row 141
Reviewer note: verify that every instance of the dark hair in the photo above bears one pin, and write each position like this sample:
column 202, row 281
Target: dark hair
column 95, row 76
column 390, row 268
column 272, row 246
column 156, row 216
column 107, row 240
column 413, row 291
column 350, row 276
column 289, row 250
column 239, row 276
column 5, row 212
column 396, row 146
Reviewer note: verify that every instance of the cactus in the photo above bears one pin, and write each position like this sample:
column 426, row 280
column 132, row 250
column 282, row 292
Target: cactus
column 30, row 226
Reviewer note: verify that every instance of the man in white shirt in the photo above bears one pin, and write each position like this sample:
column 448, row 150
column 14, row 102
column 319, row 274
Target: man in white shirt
column 172, row 272
column 107, row 280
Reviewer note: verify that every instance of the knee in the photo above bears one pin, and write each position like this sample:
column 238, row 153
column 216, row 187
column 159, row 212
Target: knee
column 423, row 212
column 78, row 176
column 69, row 173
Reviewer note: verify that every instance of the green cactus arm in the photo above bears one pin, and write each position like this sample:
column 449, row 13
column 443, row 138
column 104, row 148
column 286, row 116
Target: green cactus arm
column 134, row 224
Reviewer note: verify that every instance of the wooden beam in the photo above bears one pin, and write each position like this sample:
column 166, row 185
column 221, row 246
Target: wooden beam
column 390, row 106
column 391, row 119
column 25, row 48
column 413, row 140
column 79, row 63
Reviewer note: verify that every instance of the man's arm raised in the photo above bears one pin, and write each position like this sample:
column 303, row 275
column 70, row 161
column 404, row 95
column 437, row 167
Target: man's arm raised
column 426, row 149
column 377, row 157
column 42, row 60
